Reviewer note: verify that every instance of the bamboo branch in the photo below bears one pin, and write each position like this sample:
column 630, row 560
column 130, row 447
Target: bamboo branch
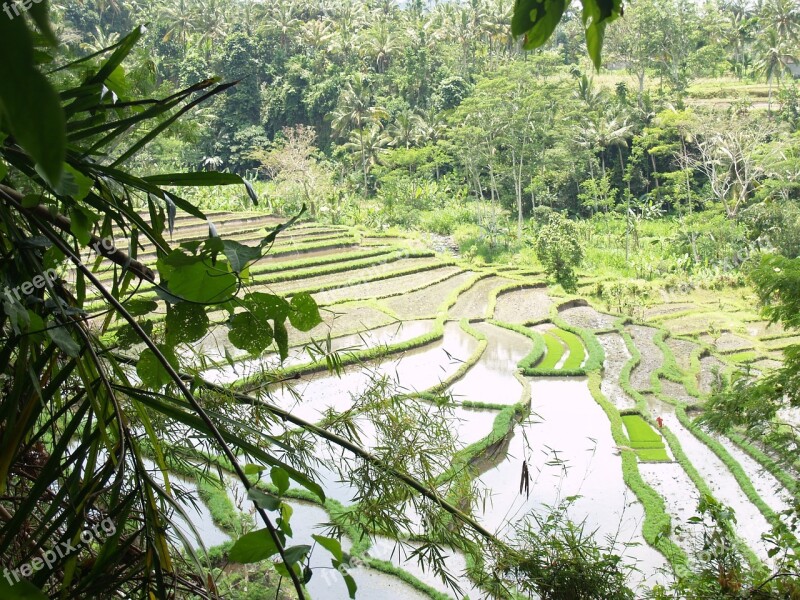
column 41, row 212
column 179, row 381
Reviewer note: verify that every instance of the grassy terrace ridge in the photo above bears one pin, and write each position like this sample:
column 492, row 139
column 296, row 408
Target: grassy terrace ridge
column 279, row 249
column 657, row 523
column 290, row 269
column 632, row 430
column 670, row 370
column 330, row 268
column 360, row 356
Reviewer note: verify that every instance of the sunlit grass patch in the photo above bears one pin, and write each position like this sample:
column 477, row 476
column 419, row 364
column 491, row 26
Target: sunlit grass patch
column 647, row 443
column 577, row 353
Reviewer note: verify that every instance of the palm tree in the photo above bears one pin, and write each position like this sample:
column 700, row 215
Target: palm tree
column 182, row 21
column 772, row 58
column 212, row 24
column 381, row 43
column 370, row 142
column 405, row 130
column 317, row 35
column 100, row 39
column 354, row 112
column 432, row 126
column 283, row 20
column 784, row 17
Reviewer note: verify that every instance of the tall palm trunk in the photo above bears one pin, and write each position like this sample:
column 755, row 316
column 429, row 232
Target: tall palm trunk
column 364, row 162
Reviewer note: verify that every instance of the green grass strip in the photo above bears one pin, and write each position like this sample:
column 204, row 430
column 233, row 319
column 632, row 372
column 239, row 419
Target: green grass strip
column 577, row 353
column 643, row 439
column 555, row 350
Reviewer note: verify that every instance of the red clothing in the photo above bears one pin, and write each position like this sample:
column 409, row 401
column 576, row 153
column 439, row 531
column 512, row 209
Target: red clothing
column 660, row 421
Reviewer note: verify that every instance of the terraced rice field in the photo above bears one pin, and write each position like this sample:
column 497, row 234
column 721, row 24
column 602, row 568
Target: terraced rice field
column 558, row 385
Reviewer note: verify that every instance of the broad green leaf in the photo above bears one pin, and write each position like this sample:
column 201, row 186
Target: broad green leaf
column 249, row 333
column 29, row 105
column 267, row 306
column 281, row 338
column 348, row 579
column 596, row 15
column 332, row 545
column 351, row 585
column 22, row 590
column 296, row 553
column 62, row 339
column 253, row 547
column 201, row 282
column 263, row 499
column 239, row 254
column 536, row 20
column 151, row 371
column 82, row 184
column 305, row 313
column 283, row 570
column 280, row 478
column 285, row 519
column 31, row 200
column 139, row 307
column 17, row 315
column 82, row 223
column 186, row 322
column 127, row 336
column 251, row 469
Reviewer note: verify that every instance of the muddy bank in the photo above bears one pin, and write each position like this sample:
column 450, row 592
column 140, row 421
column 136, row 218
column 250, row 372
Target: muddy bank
column 522, row 306
column 730, row 342
column 474, row 302
column 710, row 369
column 616, row 356
column 427, row 301
column 651, row 356
column 586, row 317
column 385, row 287
column 682, row 351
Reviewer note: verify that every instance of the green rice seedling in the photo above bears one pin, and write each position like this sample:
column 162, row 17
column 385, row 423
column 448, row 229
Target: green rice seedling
column 647, row 443
column 577, row 353
column 555, row 350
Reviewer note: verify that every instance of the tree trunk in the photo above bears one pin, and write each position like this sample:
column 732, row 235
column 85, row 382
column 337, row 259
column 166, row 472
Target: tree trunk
column 363, row 162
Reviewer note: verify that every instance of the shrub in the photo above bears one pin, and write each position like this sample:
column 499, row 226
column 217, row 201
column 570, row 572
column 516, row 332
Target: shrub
column 559, row 249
